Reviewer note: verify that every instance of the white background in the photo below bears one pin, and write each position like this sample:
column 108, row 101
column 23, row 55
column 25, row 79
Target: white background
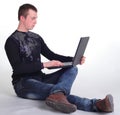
column 61, row 23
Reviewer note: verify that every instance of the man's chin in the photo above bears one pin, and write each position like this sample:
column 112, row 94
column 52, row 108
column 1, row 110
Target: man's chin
column 30, row 28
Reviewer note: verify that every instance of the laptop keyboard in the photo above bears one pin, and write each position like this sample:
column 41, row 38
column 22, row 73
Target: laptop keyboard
column 67, row 63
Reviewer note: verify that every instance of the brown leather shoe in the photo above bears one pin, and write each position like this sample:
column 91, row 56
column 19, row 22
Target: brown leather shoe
column 59, row 102
column 106, row 105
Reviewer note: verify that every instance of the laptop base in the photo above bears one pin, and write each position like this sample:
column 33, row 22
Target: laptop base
column 65, row 65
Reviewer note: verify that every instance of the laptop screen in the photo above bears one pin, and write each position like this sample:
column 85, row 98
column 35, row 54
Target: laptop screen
column 80, row 50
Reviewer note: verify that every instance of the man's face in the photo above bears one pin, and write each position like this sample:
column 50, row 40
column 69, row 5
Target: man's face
column 30, row 20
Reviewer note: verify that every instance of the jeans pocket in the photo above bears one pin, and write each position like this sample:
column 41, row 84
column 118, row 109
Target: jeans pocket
column 18, row 87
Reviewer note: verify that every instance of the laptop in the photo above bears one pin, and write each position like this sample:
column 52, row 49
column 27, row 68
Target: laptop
column 78, row 54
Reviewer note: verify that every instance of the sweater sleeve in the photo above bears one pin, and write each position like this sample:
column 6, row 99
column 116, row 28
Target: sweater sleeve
column 51, row 55
column 12, row 51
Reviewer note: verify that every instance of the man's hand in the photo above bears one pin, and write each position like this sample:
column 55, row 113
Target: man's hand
column 52, row 63
column 82, row 60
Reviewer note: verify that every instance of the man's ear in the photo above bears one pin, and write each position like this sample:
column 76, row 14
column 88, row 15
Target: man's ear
column 22, row 18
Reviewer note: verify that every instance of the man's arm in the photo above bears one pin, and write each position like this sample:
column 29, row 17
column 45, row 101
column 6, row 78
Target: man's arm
column 12, row 51
column 46, row 52
column 52, row 63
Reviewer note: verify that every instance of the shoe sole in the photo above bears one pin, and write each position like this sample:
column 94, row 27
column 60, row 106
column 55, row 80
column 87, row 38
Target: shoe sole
column 65, row 108
column 109, row 101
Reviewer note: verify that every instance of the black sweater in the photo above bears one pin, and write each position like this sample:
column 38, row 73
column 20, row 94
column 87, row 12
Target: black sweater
column 24, row 51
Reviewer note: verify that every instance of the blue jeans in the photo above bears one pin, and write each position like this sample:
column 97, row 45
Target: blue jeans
column 61, row 80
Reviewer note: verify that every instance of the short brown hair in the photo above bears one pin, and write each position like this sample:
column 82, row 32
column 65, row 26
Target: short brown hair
column 23, row 10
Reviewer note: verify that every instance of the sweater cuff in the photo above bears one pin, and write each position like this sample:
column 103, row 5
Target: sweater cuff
column 42, row 67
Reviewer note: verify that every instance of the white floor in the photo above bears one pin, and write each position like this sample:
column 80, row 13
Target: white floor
column 10, row 104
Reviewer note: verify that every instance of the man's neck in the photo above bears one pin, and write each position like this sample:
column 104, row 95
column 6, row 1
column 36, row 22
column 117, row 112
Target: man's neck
column 21, row 28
